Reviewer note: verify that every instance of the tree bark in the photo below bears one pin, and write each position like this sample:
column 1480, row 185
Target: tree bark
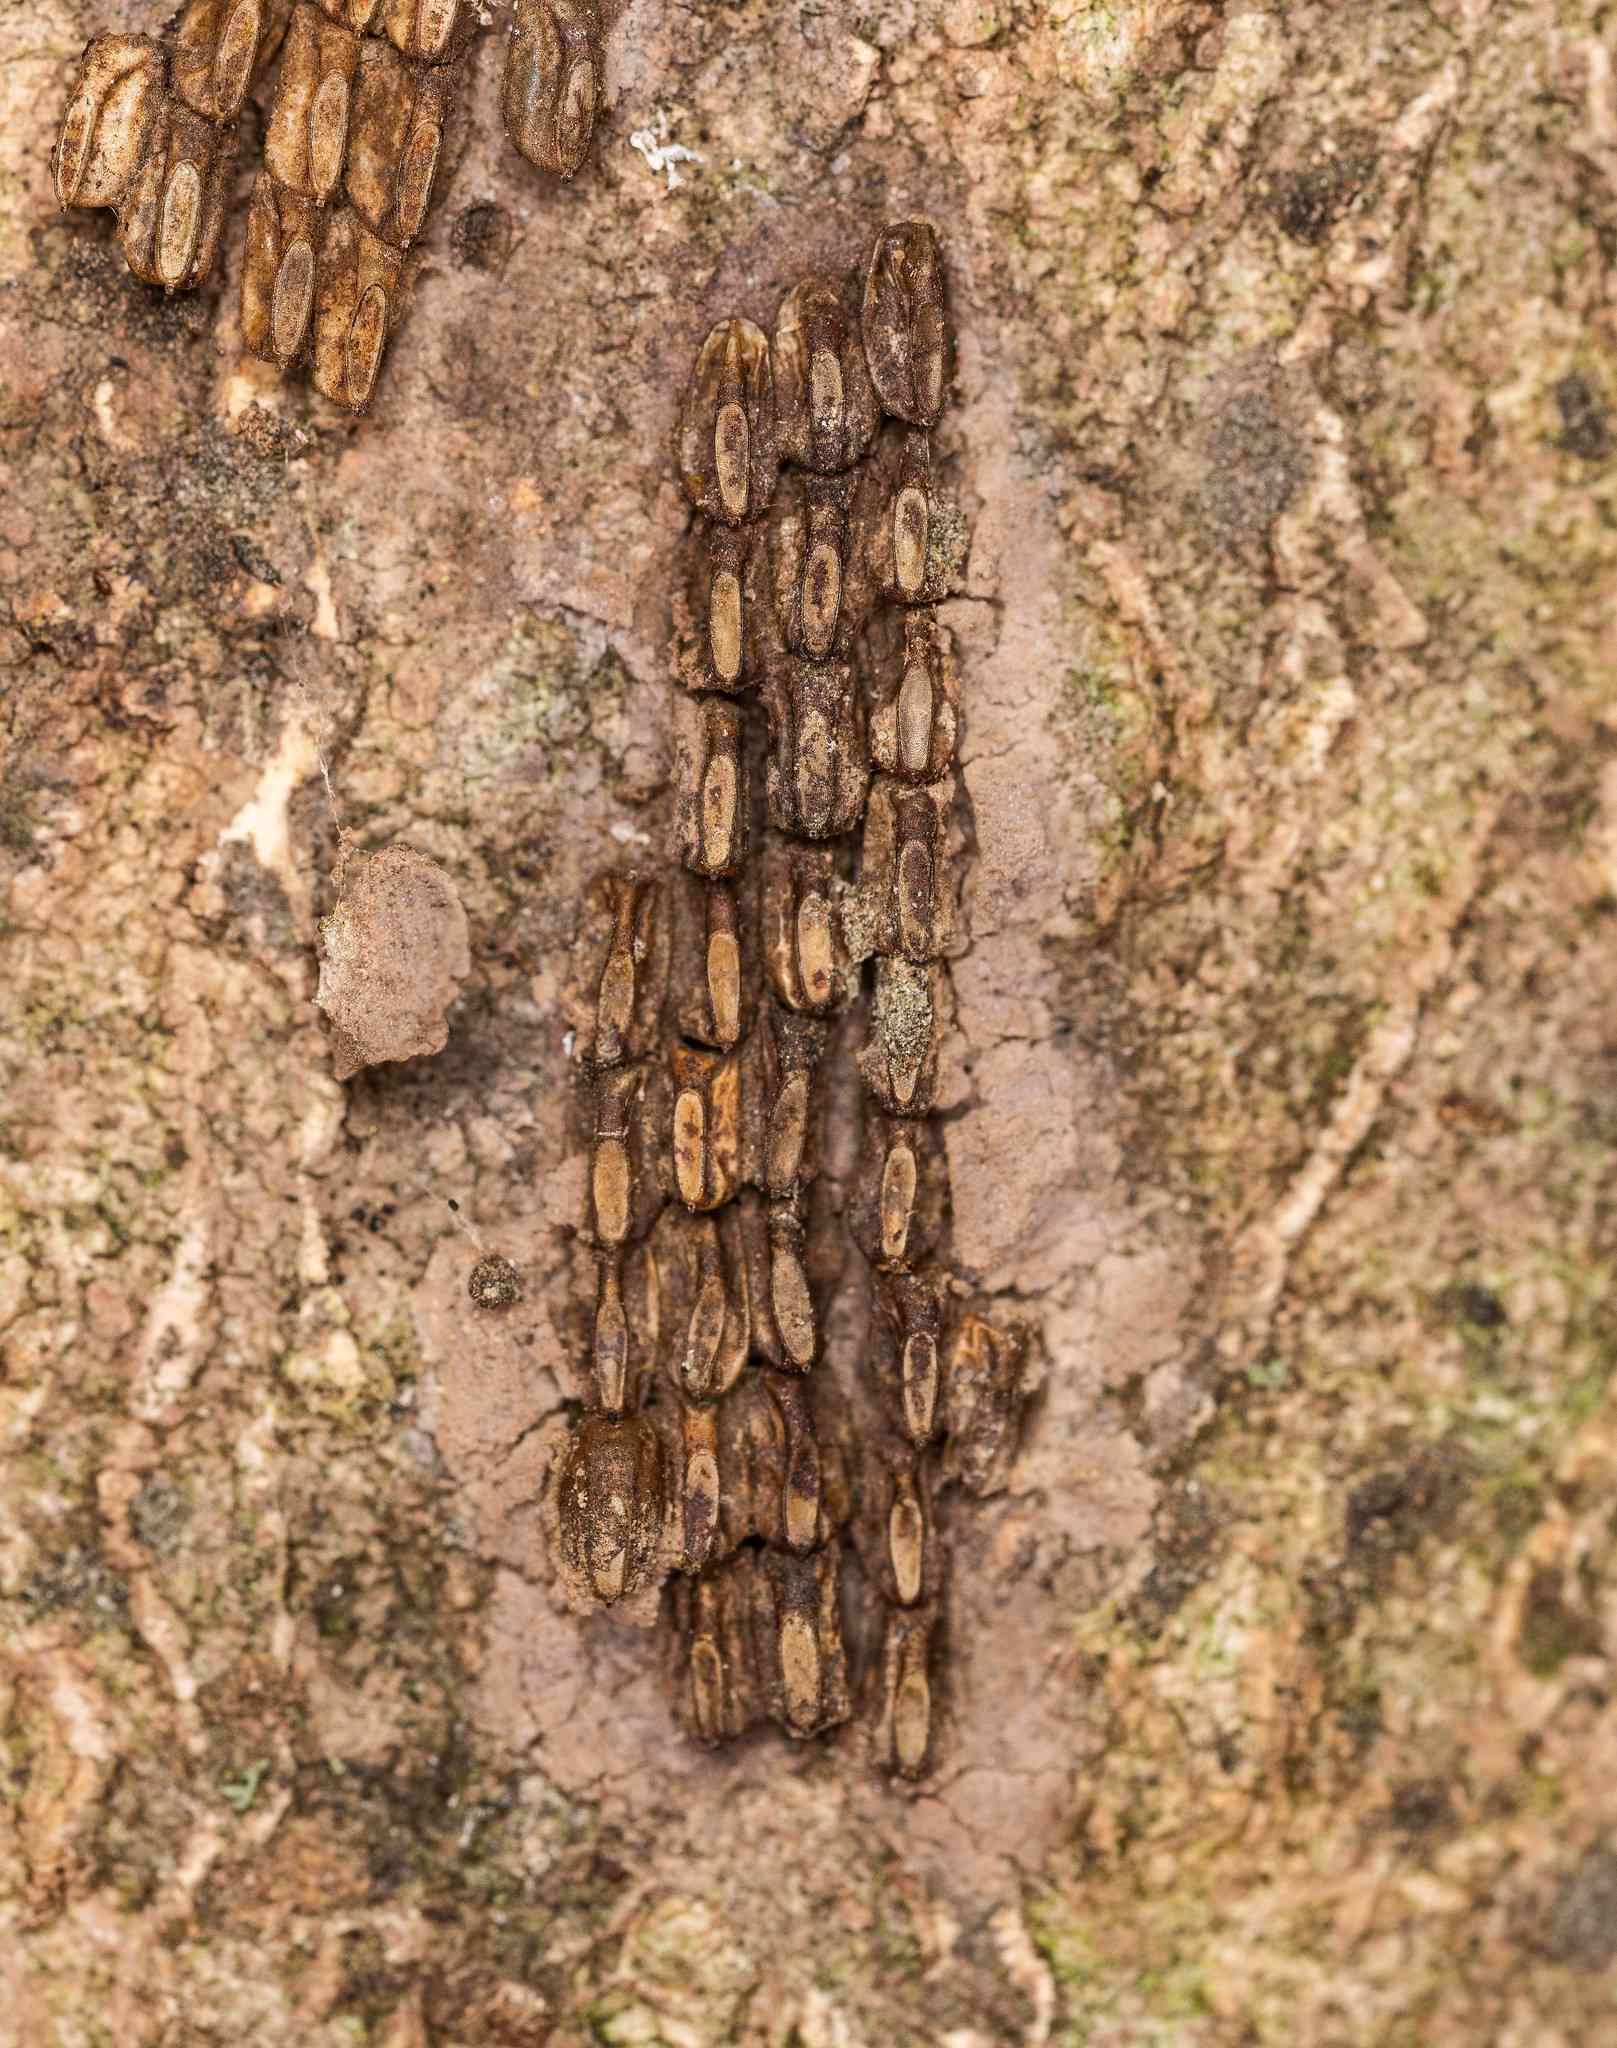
column 1279, row 1680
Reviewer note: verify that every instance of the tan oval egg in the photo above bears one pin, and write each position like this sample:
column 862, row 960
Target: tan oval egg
column 651, row 1293
column 690, row 1147
column 614, row 1005
column 920, row 1377
column 904, row 1076
column 793, row 1305
column 434, row 25
column 701, row 1486
column 898, row 1182
column 328, row 134
column 802, row 1516
column 724, row 625
column 731, row 455
column 292, row 302
column 609, row 1561
column 825, row 391
column 915, row 719
column 416, row 170
column 906, row 1546
column 788, row 1133
column 815, row 956
column 800, row 1670
column 611, row 1347
column 611, row 1190
column 180, row 223
column 703, row 1336
column 719, row 812
column 366, row 338
column 912, row 1721
column 73, row 146
column 575, row 117
column 911, row 519
column 914, row 897
column 115, row 135
column 707, row 1688
column 822, row 598
column 233, row 62
column 931, row 380
column 724, row 986
column 814, row 764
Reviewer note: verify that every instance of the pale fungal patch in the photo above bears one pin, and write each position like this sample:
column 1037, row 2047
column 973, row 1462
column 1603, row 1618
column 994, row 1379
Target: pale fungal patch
column 170, row 1348
column 1101, row 41
column 263, row 822
column 662, row 154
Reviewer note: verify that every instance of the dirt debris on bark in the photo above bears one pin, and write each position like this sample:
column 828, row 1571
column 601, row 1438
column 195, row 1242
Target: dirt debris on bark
column 1280, row 1092
column 393, row 954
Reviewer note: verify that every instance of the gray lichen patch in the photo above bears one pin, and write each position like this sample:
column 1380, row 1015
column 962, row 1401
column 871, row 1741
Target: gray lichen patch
column 393, row 954
column 1249, row 446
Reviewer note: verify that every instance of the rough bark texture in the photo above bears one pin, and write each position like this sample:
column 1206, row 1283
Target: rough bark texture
column 1280, row 1695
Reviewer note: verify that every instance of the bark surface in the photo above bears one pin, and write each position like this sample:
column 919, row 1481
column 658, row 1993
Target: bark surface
column 1280, row 1691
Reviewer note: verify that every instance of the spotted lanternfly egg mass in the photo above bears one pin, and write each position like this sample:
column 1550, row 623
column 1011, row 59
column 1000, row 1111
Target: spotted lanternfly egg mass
column 811, row 841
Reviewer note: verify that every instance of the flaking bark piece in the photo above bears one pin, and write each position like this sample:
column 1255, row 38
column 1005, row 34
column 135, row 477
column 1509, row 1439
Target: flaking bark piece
column 611, row 1506
column 712, row 961
column 214, row 53
column 710, row 786
column 984, row 1390
column 173, row 213
column 906, row 656
column 704, row 1315
column 906, row 1350
column 722, row 620
column 809, row 541
column 285, row 233
column 825, row 401
column 614, row 994
column 900, row 1192
column 429, row 31
column 395, row 138
column 107, row 126
column 907, row 1710
column 358, row 300
column 726, row 440
column 805, row 953
column 307, row 142
column 908, row 544
column 393, row 954
column 552, row 82
column 818, row 765
column 906, row 322
column 906, row 869
column 899, row 1059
